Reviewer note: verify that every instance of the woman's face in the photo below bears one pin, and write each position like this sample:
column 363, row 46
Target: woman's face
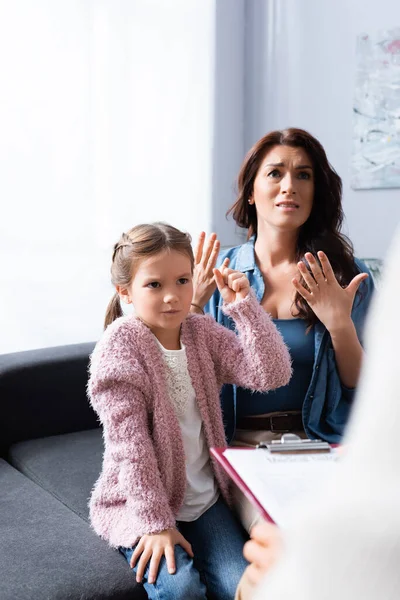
column 283, row 190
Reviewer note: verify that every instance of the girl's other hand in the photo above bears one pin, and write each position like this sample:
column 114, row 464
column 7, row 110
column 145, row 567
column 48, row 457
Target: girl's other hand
column 205, row 259
column 262, row 551
column 152, row 548
column 232, row 285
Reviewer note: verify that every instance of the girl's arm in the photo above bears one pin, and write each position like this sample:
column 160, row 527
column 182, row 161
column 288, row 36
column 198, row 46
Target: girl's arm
column 255, row 358
column 116, row 394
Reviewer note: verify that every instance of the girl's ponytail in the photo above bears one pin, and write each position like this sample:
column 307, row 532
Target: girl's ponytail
column 114, row 310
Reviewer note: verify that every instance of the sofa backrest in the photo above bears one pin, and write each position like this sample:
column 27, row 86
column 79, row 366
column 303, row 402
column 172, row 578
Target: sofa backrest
column 43, row 392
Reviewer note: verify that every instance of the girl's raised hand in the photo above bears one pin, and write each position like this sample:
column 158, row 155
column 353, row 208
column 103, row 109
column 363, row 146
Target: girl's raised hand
column 205, row 259
column 330, row 302
column 152, row 548
column 232, row 285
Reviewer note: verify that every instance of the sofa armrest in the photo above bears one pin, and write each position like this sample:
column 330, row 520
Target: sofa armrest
column 43, row 392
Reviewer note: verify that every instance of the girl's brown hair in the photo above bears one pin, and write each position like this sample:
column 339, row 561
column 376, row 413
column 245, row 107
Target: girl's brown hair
column 321, row 231
column 138, row 243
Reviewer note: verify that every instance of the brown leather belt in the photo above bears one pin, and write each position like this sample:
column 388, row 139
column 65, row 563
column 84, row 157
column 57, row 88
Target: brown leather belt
column 278, row 423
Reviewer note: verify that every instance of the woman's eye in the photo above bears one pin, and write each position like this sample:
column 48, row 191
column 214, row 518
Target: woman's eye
column 153, row 285
column 273, row 174
column 304, row 175
column 183, row 280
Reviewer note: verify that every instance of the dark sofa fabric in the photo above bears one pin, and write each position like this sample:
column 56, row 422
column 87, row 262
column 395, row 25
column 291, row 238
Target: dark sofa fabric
column 48, row 553
column 51, row 448
column 43, row 392
column 66, row 465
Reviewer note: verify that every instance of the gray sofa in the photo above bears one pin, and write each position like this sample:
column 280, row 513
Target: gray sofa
column 50, row 457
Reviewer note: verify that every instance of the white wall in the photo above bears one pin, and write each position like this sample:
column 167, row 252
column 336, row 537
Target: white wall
column 107, row 119
column 117, row 112
column 300, row 65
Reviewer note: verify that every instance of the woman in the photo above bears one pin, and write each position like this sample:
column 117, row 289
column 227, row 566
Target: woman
column 303, row 272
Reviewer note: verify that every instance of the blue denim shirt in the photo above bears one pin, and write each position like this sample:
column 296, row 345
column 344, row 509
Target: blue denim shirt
column 327, row 402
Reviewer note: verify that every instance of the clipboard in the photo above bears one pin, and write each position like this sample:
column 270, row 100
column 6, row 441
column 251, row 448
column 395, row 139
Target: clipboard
column 291, row 455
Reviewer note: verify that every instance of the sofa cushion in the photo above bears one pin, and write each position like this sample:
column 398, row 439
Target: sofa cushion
column 66, row 465
column 43, row 392
column 50, row 553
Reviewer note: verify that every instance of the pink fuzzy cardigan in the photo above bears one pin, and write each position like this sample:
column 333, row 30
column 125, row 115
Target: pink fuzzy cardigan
column 142, row 483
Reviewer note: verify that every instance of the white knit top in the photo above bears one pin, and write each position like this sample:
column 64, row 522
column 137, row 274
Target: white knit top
column 201, row 487
column 345, row 545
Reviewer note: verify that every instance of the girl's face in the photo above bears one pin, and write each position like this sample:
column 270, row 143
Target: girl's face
column 161, row 290
column 283, row 190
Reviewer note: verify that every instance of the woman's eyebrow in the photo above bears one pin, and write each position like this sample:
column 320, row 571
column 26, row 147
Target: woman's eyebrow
column 281, row 164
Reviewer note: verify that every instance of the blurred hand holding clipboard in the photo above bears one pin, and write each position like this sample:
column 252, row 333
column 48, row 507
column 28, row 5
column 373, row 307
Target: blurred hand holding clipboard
column 277, row 476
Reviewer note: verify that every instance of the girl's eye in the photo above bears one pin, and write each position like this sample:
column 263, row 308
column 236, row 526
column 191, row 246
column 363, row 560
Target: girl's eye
column 153, row 285
column 304, row 175
column 273, row 174
column 183, row 280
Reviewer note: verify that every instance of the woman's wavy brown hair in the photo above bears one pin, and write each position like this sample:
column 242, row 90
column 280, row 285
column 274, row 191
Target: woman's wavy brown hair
column 321, row 231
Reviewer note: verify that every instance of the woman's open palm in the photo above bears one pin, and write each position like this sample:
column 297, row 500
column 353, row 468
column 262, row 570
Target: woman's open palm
column 331, row 303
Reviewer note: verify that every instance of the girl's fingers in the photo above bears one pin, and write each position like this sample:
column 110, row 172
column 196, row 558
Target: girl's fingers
column 136, row 553
column 225, row 264
column 239, row 284
column 199, row 247
column 233, row 276
column 170, row 559
column 154, row 564
column 219, row 280
column 186, row 546
column 142, row 564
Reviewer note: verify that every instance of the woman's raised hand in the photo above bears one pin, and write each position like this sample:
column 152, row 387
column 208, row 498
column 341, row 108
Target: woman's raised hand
column 152, row 548
column 232, row 285
column 205, row 259
column 330, row 302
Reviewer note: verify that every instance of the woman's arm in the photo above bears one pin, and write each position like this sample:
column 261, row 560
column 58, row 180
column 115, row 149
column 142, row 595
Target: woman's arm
column 332, row 304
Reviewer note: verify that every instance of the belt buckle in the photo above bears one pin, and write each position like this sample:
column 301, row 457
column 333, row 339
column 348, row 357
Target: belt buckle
column 276, row 429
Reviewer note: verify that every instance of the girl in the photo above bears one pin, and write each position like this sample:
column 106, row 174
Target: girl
column 154, row 381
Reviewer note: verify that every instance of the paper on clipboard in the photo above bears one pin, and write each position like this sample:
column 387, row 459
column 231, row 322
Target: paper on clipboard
column 275, row 483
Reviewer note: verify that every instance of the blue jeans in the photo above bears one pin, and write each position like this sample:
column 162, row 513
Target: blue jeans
column 217, row 540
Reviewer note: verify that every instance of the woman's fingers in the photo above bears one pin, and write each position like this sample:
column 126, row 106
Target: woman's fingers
column 308, row 278
column 212, row 259
column 316, row 270
column 199, row 247
column 302, row 290
column 355, row 282
column 208, row 249
column 326, row 267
